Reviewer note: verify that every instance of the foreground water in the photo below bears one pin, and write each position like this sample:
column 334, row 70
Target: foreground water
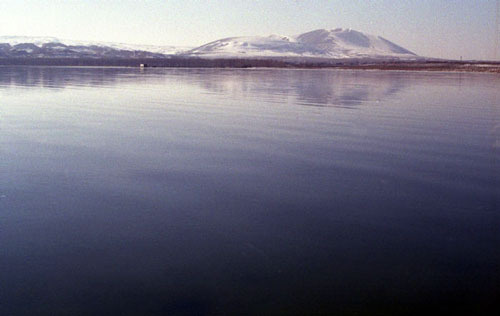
column 202, row 192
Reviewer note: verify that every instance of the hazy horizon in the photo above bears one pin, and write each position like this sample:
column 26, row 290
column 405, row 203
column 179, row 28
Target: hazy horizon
column 429, row 28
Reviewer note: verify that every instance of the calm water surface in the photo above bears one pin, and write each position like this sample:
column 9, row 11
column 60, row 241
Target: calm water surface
column 208, row 192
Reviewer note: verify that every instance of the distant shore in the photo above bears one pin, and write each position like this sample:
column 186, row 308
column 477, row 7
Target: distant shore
column 299, row 63
column 447, row 66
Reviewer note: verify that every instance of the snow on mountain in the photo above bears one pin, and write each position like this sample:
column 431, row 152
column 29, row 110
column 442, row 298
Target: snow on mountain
column 44, row 41
column 37, row 40
column 273, row 45
column 351, row 42
column 337, row 43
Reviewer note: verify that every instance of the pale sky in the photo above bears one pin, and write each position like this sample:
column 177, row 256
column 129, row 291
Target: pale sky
column 435, row 28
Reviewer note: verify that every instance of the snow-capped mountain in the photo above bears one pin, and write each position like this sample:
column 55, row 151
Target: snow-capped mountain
column 29, row 46
column 337, row 43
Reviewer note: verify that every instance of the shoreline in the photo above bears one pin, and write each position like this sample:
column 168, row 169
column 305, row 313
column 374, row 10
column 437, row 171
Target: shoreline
column 383, row 65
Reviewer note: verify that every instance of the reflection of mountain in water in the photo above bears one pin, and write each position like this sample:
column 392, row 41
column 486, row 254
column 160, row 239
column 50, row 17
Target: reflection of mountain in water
column 340, row 88
column 60, row 77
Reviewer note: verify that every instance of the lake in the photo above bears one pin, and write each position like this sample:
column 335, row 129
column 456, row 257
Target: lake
column 129, row 191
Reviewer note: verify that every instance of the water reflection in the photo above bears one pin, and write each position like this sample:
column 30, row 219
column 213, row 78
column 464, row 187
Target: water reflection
column 208, row 192
column 313, row 87
column 309, row 87
column 59, row 77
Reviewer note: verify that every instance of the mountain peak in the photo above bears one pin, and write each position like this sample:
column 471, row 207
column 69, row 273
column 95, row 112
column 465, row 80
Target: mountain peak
column 333, row 43
column 322, row 43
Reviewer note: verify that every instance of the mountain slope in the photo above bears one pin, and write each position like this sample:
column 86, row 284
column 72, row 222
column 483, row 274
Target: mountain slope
column 29, row 46
column 337, row 43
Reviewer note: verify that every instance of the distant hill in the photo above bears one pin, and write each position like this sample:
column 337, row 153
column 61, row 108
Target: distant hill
column 51, row 47
column 337, row 44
